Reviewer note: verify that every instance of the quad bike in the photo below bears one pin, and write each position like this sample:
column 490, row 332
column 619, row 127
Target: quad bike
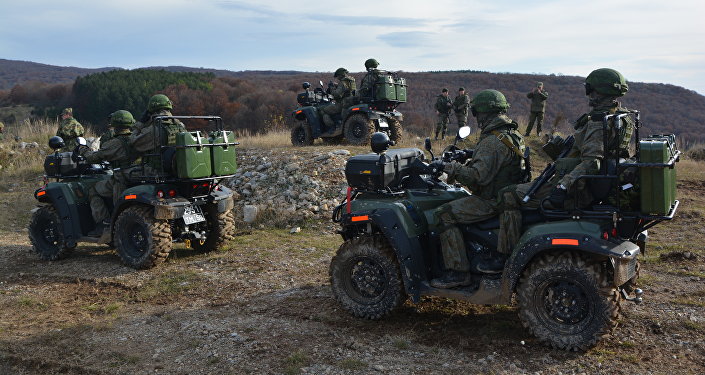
column 182, row 202
column 358, row 122
column 569, row 270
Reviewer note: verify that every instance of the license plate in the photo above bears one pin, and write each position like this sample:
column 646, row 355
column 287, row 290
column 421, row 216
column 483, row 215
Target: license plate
column 193, row 215
column 383, row 123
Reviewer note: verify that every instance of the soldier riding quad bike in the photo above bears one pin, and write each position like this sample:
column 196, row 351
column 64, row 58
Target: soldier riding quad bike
column 374, row 113
column 183, row 201
column 569, row 270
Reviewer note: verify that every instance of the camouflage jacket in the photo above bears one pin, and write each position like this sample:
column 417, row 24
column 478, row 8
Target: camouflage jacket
column 69, row 130
column 589, row 142
column 116, row 150
column 346, row 87
column 145, row 135
column 461, row 104
column 493, row 165
column 443, row 104
column 538, row 100
column 368, row 82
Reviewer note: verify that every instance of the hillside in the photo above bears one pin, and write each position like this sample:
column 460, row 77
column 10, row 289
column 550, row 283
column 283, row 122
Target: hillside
column 14, row 72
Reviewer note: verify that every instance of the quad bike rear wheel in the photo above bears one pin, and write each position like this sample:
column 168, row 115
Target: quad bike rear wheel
column 568, row 301
column 396, row 133
column 142, row 241
column 47, row 236
column 365, row 277
column 220, row 229
column 359, row 129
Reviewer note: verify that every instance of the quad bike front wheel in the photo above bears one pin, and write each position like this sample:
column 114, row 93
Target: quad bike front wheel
column 365, row 277
column 220, row 229
column 47, row 236
column 359, row 129
column 396, row 133
column 301, row 135
column 142, row 241
column 568, row 301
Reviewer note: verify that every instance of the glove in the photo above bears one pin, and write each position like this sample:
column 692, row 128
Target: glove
column 558, row 195
column 437, row 167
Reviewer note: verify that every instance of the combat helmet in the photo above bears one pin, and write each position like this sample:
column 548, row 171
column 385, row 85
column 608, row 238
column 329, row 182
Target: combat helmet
column 340, row 73
column 606, row 81
column 157, row 102
column 122, row 119
column 489, row 101
column 371, row 64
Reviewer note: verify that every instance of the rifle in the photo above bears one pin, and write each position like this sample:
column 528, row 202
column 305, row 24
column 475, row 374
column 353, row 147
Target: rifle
column 549, row 171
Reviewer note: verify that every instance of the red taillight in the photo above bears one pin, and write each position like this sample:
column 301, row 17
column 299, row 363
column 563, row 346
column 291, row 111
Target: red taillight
column 605, row 235
column 205, row 184
column 194, row 186
column 614, row 232
column 160, row 194
column 172, row 193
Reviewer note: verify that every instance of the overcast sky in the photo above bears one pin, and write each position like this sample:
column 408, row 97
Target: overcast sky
column 650, row 41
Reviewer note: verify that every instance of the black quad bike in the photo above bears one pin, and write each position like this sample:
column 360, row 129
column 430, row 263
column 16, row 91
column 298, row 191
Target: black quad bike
column 569, row 270
column 181, row 202
column 357, row 123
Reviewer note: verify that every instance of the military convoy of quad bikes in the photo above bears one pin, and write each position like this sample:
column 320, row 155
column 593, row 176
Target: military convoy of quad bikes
column 355, row 124
column 569, row 271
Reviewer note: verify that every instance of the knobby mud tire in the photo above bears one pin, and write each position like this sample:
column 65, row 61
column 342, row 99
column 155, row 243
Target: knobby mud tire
column 568, row 274
column 359, row 129
column 301, row 135
column 372, row 256
column 396, row 133
column 154, row 234
column 221, row 229
column 47, row 236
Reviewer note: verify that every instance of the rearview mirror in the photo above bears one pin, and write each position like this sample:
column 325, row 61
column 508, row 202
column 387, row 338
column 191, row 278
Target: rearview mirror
column 320, row 83
column 463, row 132
column 427, row 144
column 81, row 141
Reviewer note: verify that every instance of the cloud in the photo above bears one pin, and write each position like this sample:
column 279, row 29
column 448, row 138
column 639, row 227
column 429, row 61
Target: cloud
column 378, row 21
column 407, row 39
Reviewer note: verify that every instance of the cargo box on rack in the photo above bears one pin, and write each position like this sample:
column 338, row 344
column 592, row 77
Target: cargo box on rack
column 377, row 172
column 658, row 184
column 193, row 155
column 59, row 164
column 385, row 89
column 400, row 85
column 223, row 155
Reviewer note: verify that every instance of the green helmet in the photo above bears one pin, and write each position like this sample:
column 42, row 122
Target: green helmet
column 122, row 118
column 489, row 101
column 159, row 101
column 606, row 81
column 371, row 64
column 340, row 72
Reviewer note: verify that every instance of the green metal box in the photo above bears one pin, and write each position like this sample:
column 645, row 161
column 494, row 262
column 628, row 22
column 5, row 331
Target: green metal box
column 223, row 155
column 657, row 184
column 385, row 89
column 400, row 85
column 193, row 155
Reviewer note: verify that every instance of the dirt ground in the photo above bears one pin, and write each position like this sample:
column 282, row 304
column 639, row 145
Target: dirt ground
column 264, row 306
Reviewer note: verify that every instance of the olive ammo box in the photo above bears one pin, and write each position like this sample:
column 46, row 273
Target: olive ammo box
column 400, row 85
column 385, row 89
column 223, row 155
column 59, row 164
column 376, row 172
column 193, row 155
column 658, row 183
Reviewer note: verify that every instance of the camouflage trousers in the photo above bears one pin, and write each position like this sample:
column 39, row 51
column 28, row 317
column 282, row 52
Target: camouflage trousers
column 462, row 211
column 442, row 124
column 462, row 118
column 510, row 198
column 538, row 118
column 109, row 188
column 329, row 111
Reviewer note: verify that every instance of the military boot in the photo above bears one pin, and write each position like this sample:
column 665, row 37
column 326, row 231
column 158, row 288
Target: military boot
column 452, row 279
column 493, row 264
column 436, row 137
column 99, row 229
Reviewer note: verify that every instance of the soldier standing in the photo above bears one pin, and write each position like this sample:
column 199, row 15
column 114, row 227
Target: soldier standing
column 497, row 162
column 443, row 106
column 366, row 92
column 343, row 94
column 538, row 106
column 461, row 103
column 69, row 130
column 120, row 154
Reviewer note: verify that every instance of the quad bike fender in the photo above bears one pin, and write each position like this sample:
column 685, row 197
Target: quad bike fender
column 569, row 235
column 311, row 116
column 223, row 198
column 407, row 249
column 63, row 199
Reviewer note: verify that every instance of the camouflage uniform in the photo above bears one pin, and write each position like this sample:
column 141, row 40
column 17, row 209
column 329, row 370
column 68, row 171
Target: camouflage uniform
column 538, row 107
column 145, row 138
column 461, row 105
column 2, row 130
column 443, row 106
column 343, row 94
column 69, row 130
column 493, row 166
column 367, row 84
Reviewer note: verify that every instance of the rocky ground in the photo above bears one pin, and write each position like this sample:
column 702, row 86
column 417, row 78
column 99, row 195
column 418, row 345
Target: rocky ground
column 264, row 306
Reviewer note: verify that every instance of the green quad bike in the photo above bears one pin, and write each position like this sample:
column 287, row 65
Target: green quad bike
column 569, row 270
column 357, row 123
column 183, row 202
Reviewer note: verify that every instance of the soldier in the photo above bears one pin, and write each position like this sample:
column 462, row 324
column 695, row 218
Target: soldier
column 148, row 136
column 461, row 103
column 110, row 133
column 538, row 106
column 69, row 130
column 120, row 154
column 2, row 130
column 497, row 162
column 343, row 94
column 366, row 86
column 443, row 106
column 603, row 87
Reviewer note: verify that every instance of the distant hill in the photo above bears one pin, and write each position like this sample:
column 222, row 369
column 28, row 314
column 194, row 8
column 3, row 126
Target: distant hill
column 665, row 108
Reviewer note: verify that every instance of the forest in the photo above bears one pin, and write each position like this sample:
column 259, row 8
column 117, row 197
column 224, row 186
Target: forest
column 256, row 101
